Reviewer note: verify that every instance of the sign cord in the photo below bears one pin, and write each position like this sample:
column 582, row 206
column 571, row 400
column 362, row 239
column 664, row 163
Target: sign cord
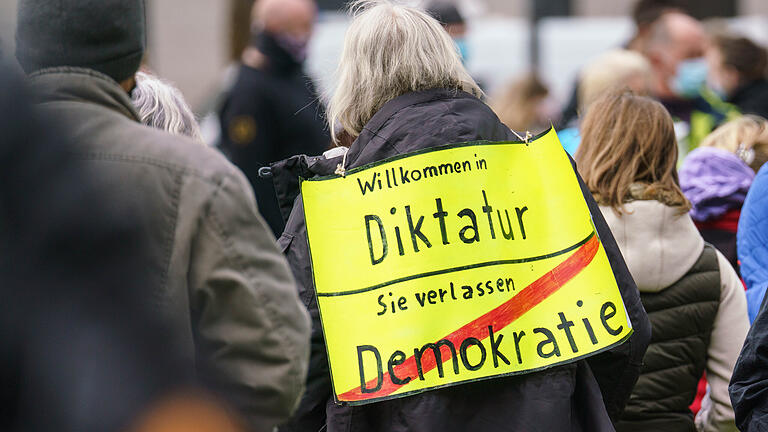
column 341, row 168
column 527, row 137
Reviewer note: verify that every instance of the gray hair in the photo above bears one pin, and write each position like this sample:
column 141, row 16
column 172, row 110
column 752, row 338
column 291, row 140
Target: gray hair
column 162, row 106
column 390, row 50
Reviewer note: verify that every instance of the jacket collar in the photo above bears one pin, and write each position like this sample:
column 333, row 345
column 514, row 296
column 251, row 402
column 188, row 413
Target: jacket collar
column 659, row 243
column 82, row 85
column 286, row 173
column 390, row 108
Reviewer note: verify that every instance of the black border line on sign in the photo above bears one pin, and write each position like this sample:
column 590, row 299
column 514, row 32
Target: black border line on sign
column 459, row 268
column 470, row 380
column 428, row 150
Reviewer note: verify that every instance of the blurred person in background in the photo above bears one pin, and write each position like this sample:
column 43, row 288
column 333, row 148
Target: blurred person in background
column 644, row 14
column 447, row 14
column 693, row 297
column 523, row 105
column 617, row 69
column 161, row 105
column 273, row 111
column 675, row 50
column 402, row 87
column 213, row 269
column 716, row 177
column 74, row 356
column 737, row 73
column 716, row 181
column 614, row 69
column 747, row 137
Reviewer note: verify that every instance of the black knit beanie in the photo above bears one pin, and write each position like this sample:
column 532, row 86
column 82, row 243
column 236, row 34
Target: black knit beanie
column 104, row 35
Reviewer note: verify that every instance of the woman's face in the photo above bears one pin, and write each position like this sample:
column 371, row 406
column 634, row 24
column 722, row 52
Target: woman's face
column 722, row 78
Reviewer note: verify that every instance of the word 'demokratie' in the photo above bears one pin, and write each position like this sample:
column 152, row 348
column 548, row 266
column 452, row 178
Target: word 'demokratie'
column 455, row 264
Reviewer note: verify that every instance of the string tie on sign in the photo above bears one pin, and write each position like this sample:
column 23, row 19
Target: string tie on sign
column 528, row 136
column 341, row 168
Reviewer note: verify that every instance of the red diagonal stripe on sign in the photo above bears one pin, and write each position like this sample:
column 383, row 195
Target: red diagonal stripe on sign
column 499, row 318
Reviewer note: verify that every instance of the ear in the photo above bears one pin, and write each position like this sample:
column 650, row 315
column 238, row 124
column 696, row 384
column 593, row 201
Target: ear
column 128, row 84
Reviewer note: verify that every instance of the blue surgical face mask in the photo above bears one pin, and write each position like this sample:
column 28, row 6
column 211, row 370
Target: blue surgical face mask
column 690, row 77
column 461, row 44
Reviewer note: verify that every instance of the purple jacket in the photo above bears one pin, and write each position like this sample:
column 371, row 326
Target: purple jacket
column 714, row 181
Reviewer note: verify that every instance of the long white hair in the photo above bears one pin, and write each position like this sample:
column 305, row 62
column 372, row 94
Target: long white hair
column 390, row 50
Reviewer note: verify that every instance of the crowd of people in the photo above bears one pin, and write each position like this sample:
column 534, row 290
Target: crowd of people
column 154, row 282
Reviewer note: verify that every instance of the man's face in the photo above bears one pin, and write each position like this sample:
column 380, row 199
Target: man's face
column 686, row 41
column 300, row 24
column 292, row 19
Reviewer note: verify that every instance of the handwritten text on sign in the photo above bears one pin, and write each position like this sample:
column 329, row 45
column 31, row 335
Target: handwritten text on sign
column 455, row 264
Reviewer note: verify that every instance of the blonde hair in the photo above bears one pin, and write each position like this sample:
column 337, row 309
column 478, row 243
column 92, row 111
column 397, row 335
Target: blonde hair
column 390, row 50
column 629, row 141
column 745, row 136
column 162, row 106
column 516, row 105
column 612, row 70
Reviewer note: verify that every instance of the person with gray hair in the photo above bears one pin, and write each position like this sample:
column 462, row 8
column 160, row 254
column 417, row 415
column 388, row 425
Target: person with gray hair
column 402, row 88
column 162, row 106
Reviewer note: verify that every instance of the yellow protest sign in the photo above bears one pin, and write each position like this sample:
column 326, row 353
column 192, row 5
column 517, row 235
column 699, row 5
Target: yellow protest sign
column 455, row 264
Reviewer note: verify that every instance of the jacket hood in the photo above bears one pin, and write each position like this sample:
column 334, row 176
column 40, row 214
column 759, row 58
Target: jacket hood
column 658, row 243
column 82, row 85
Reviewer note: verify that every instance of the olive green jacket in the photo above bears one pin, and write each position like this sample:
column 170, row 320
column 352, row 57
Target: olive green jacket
column 216, row 272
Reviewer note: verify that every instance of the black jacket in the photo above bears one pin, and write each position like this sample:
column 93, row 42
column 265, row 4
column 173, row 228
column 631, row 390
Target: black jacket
column 752, row 98
column 270, row 115
column 563, row 398
column 749, row 382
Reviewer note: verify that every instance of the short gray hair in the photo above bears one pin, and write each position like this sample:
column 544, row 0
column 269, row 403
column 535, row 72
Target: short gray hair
column 390, row 50
column 162, row 106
